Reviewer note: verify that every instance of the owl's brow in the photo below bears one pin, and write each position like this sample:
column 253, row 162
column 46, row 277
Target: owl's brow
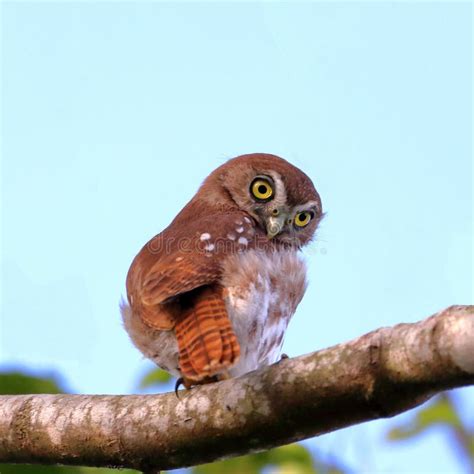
column 280, row 191
column 308, row 205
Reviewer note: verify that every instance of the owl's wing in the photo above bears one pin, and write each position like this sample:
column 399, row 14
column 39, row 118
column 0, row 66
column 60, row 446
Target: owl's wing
column 193, row 258
column 168, row 279
column 190, row 257
column 189, row 268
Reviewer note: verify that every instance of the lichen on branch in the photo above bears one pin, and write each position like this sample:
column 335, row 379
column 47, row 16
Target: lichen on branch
column 380, row 374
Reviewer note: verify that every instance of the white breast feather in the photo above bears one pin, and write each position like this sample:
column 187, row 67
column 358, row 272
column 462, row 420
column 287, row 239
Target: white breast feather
column 263, row 293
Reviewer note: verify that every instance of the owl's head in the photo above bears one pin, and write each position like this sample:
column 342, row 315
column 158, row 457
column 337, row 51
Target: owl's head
column 279, row 196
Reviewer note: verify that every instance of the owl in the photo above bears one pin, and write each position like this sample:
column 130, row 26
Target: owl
column 211, row 296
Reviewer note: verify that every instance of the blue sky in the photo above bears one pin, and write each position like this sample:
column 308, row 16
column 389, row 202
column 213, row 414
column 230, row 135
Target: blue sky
column 113, row 114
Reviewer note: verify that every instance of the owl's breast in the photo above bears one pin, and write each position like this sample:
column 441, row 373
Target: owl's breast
column 262, row 291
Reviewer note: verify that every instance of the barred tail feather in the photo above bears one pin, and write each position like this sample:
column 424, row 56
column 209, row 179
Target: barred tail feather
column 206, row 341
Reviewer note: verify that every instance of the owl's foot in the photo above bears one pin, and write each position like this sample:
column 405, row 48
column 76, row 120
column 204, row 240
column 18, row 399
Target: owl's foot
column 222, row 376
column 188, row 383
column 282, row 357
column 178, row 383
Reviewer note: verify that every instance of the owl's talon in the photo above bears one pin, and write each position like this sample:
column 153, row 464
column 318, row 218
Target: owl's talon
column 186, row 383
column 283, row 357
column 178, row 383
column 222, row 376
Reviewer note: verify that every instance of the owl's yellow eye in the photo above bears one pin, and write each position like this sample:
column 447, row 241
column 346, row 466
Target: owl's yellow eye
column 302, row 218
column 261, row 189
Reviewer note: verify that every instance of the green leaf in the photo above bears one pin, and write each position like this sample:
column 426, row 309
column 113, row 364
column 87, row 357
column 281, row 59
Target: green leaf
column 292, row 453
column 243, row 464
column 471, row 446
column 293, row 468
column 294, row 459
column 17, row 383
column 155, row 377
column 104, row 470
column 440, row 412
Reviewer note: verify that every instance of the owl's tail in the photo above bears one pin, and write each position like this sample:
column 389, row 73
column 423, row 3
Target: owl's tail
column 207, row 343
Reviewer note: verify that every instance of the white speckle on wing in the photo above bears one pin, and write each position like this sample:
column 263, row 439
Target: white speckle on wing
column 243, row 241
column 240, row 229
column 178, row 259
column 205, row 236
column 238, row 222
column 209, row 247
column 231, row 236
column 246, row 219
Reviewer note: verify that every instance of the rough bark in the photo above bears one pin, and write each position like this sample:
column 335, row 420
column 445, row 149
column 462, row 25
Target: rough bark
column 377, row 375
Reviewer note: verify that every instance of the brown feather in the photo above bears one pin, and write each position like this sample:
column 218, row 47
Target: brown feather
column 206, row 341
column 175, row 280
column 170, row 266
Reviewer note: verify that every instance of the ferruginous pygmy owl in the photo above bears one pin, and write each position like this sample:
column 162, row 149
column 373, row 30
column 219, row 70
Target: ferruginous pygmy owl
column 211, row 296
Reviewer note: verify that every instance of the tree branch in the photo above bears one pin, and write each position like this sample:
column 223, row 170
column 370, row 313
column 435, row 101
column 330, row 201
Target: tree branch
column 377, row 375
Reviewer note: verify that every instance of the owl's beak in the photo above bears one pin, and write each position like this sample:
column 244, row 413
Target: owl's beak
column 275, row 224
